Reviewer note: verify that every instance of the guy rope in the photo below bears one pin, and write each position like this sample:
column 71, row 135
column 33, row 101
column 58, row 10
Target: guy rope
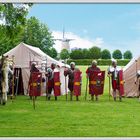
column 17, row 80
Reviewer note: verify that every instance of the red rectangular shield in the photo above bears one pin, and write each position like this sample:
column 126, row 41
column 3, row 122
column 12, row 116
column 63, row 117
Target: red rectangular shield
column 77, row 83
column 121, row 82
column 96, row 82
column 57, row 84
column 35, row 84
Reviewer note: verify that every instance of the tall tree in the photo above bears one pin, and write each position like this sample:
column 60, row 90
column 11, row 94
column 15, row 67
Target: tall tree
column 127, row 55
column 64, row 54
column 105, row 54
column 117, row 54
column 85, row 54
column 76, row 54
column 53, row 53
column 13, row 19
column 38, row 34
column 32, row 32
column 4, row 41
column 95, row 52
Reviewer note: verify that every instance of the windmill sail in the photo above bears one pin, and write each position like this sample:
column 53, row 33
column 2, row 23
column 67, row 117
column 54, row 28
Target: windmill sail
column 64, row 41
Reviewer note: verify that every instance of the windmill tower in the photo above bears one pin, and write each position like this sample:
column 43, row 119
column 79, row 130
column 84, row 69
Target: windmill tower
column 65, row 42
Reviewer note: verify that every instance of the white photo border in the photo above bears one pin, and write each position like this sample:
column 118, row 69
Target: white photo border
column 74, row 2
column 69, row 1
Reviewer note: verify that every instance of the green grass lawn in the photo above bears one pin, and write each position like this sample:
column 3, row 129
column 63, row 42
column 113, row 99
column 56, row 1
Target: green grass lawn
column 71, row 118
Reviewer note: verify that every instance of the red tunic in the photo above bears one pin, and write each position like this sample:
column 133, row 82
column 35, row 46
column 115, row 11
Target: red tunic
column 50, row 83
column 115, row 79
column 88, row 72
column 115, row 85
column 70, row 73
column 35, row 90
column 89, row 69
column 31, row 71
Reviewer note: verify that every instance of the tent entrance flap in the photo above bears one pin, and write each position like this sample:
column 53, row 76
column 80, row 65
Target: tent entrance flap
column 18, row 80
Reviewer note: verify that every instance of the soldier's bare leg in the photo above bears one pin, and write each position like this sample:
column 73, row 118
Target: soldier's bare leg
column 77, row 98
column 49, row 96
column 96, row 97
column 30, row 97
column 46, row 96
column 55, row 98
column 49, row 93
column 92, row 97
column 120, row 98
column 71, row 96
column 35, row 97
column 114, row 95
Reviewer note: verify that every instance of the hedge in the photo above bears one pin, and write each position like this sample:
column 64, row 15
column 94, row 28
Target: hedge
column 104, row 62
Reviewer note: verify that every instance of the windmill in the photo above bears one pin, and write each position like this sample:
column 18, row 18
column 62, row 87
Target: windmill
column 64, row 41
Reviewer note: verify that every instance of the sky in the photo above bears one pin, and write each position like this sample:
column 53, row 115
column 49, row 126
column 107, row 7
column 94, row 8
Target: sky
column 108, row 26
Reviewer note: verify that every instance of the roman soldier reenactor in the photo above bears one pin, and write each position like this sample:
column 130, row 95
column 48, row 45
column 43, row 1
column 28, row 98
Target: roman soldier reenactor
column 89, row 71
column 32, row 70
column 113, row 71
column 50, row 81
column 70, row 73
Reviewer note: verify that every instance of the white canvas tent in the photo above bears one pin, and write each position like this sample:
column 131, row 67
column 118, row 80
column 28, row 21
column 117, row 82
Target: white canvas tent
column 130, row 70
column 24, row 53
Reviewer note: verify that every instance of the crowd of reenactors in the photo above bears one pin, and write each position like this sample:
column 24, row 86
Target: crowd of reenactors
column 95, row 81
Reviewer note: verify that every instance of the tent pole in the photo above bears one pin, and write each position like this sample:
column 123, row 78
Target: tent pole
column 86, row 89
column 13, row 78
column 17, row 82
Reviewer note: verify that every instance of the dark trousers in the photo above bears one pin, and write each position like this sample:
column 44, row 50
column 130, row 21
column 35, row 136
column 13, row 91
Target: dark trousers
column 50, row 89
